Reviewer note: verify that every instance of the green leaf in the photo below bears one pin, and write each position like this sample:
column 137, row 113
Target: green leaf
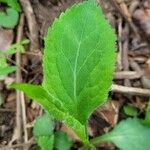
column 25, row 42
column 146, row 121
column 62, row 141
column 79, row 59
column 17, row 46
column 78, row 64
column 46, row 142
column 4, row 68
column 3, row 61
column 128, row 135
column 9, row 19
column 44, row 126
column 12, row 3
column 43, row 131
column 130, row 110
column 53, row 106
column 7, row 70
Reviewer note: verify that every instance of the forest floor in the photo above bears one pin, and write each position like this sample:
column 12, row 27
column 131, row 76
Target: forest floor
column 131, row 84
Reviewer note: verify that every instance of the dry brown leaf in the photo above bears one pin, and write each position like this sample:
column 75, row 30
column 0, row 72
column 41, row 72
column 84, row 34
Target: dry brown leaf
column 109, row 112
column 6, row 38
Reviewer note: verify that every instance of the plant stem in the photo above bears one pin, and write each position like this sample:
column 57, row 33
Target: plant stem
column 89, row 147
column 100, row 139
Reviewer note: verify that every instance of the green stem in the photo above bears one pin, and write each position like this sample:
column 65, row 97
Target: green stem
column 90, row 144
column 87, row 144
column 100, row 139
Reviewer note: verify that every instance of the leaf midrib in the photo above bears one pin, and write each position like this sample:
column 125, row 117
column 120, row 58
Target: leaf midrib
column 76, row 62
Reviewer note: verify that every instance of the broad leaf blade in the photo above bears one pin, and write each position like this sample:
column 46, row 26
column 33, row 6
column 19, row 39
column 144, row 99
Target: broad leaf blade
column 54, row 108
column 130, row 135
column 79, row 59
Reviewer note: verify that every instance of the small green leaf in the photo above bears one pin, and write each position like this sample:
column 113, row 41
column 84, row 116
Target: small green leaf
column 6, row 70
column 44, row 126
column 146, row 121
column 17, row 46
column 46, row 142
column 3, row 61
column 25, row 42
column 53, row 106
column 62, row 141
column 79, row 59
column 9, row 19
column 12, row 3
column 130, row 110
column 43, row 131
column 128, row 135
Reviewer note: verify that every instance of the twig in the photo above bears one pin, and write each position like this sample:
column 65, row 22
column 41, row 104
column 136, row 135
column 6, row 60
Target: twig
column 33, row 32
column 130, row 90
column 14, row 63
column 21, row 145
column 18, row 79
column 20, row 103
column 18, row 129
column 120, row 5
column 24, row 118
column 119, row 59
column 140, row 46
column 125, row 60
column 6, row 110
column 145, row 81
column 20, row 95
column 127, row 75
column 32, row 24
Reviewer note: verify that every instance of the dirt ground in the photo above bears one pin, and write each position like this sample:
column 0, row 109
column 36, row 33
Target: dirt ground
column 131, row 84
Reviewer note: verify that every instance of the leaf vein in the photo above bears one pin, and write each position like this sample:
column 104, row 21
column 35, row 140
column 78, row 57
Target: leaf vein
column 76, row 61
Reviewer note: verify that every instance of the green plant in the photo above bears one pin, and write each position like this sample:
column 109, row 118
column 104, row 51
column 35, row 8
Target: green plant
column 43, row 131
column 5, row 69
column 62, row 141
column 78, row 62
column 9, row 19
column 146, row 121
column 130, row 110
column 47, row 139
